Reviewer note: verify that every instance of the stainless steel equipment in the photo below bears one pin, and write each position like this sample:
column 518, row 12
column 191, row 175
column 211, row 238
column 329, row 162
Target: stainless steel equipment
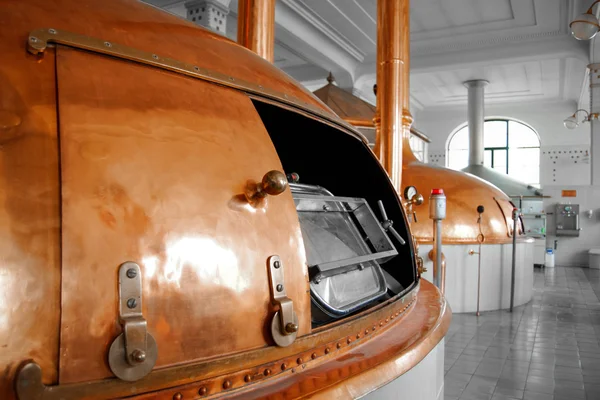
column 437, row 212
column 567, row 219
column 345, row 245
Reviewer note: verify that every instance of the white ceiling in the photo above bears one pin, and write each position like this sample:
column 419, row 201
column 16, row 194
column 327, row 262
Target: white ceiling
column 521, row 46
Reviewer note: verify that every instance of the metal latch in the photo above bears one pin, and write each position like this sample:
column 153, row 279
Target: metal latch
column 133, row 353
column 388, row 225
column 284, row 326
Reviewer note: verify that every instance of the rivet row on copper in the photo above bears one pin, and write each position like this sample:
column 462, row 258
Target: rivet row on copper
column 227, row 384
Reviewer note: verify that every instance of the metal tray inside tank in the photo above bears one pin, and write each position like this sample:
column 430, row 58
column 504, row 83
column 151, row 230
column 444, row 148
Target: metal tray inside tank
column 345, row 245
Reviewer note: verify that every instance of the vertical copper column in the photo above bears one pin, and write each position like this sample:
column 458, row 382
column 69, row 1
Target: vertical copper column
column 393, row 96
column 256, row 27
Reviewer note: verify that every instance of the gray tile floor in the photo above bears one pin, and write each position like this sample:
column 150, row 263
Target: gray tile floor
column 547, row 349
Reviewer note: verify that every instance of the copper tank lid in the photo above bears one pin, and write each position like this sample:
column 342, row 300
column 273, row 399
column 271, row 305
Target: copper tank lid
column 464, row 192
column 349, row 107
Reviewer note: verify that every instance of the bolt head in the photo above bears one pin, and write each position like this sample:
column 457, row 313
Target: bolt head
column 276, row 264
column 131, row 303
column 131, row 273
column 138, row 356
column 279, row 288
column 291, row 327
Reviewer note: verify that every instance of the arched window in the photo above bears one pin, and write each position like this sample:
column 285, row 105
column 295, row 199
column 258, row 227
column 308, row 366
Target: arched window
column 511, row 147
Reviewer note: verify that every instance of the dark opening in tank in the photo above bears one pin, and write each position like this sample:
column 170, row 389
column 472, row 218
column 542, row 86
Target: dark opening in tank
column 339, row 187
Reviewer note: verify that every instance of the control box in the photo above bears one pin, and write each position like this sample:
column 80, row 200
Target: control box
column 567, row 219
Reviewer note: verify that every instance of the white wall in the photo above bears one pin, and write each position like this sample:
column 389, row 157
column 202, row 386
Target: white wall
column 547, row 120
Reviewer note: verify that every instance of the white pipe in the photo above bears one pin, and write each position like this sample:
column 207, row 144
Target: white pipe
column 476, row 119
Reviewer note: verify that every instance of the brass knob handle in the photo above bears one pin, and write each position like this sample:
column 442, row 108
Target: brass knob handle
column 273, row 183
column 417, row 200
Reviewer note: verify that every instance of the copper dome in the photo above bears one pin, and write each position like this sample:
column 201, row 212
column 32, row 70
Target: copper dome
column 133, row 147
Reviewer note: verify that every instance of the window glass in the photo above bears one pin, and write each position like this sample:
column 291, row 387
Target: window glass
column 418, row 147
column 520, row 135
column 524, row 165
column 460, row 140
column 501, row 138
column 494, row 134
column 499, row 160
column 458, row 159
column 487, row 158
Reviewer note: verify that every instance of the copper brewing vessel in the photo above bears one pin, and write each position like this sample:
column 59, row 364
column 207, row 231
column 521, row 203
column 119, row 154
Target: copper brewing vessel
column 464, row 193
column 131, row 138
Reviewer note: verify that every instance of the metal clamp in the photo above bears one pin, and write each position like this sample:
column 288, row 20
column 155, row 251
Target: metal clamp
column 388, row 225
column 284, row 326
column 133, row 353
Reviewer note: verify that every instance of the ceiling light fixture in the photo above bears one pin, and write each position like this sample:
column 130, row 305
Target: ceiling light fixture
column 573, row 122
column 585, row 26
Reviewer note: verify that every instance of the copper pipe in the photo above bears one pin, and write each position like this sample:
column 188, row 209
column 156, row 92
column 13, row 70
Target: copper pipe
column 431, row 256
column 393, row 118
column 590, row 10
column 256, row 27
column 360, row 122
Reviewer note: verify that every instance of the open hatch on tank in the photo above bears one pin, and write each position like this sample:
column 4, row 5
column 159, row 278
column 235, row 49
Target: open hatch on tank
column 345, row 245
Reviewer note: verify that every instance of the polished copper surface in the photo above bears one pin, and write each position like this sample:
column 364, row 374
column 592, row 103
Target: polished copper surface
column 143, row 27
column 352, row 109
column 256, row 27
column 202, row 249
column 393, row 69
column 30, row 212
column 373, row 364
column 464, row 193
column 364, row 353
column 151, row 167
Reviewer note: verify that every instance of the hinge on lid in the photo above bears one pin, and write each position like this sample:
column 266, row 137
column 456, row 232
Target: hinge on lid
column 133, row 353
column 284, row 326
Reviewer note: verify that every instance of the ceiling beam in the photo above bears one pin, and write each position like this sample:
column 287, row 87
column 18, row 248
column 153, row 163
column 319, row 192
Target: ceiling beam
column 317, row 47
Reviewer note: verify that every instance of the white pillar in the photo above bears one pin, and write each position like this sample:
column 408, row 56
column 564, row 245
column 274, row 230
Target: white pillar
column 476, row 119
column 211, row 14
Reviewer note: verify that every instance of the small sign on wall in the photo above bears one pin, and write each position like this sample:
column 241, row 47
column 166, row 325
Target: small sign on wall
column 569, row 193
